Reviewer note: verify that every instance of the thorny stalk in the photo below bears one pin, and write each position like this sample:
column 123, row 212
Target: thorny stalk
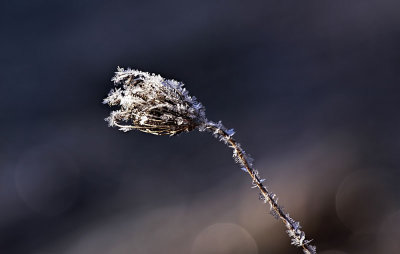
column 152, row 104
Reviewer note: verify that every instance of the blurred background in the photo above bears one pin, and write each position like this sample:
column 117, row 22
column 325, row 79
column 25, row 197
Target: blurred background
column 311, row 88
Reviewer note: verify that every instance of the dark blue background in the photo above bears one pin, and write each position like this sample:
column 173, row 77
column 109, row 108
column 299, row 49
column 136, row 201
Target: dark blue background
column 311, row 87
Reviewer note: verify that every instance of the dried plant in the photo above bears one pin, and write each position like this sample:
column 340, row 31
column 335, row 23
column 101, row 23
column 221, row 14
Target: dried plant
column 159, row 106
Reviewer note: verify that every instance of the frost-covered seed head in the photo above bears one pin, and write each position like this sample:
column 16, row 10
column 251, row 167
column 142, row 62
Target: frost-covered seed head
column 152, row 104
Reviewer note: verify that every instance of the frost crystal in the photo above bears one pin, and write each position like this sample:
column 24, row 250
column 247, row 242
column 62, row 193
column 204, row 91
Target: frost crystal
column 152, row 104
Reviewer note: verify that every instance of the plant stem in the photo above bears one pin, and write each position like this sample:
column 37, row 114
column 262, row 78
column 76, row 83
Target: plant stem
column 293, row 227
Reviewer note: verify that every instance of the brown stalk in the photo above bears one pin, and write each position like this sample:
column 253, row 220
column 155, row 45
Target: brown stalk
column 268, row 197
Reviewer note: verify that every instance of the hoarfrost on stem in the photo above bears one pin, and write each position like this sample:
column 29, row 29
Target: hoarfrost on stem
column 149, row 103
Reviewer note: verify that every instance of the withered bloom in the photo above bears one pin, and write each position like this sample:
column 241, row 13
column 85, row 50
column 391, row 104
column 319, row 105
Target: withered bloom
column 152, row 104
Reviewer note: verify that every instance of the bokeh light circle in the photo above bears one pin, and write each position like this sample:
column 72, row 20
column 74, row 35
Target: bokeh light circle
column 224, row 238
column 362, row 200
column 47, row 180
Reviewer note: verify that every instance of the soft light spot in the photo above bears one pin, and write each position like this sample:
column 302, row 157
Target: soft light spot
column 47, row 180
column 224, row 238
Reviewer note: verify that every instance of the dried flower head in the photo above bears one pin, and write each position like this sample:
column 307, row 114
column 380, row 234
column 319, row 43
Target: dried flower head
column 152, row 104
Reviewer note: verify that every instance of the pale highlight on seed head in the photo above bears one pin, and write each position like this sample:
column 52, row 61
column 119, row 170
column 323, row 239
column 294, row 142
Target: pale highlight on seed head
column 152, row 104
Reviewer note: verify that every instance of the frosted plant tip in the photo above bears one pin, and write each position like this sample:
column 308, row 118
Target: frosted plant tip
column 149, row 103
column 152, row 104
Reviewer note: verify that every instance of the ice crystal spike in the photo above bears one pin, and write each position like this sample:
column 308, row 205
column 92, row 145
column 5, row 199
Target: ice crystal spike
column 152, row 104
